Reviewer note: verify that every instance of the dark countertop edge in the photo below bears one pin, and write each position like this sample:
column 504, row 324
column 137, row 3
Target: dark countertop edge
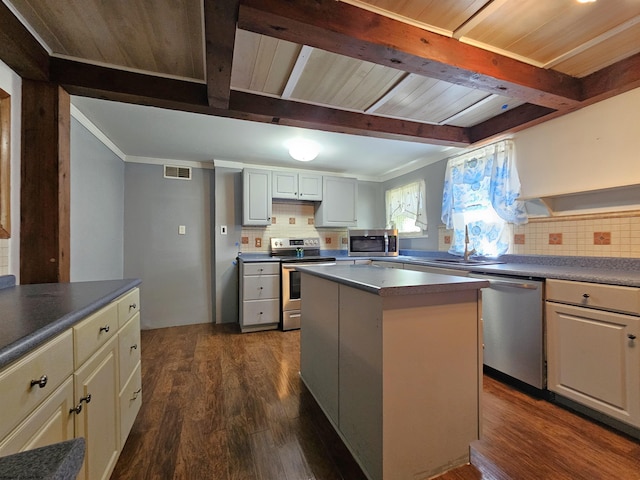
column 26, row 344
column 438, row 286
column 55, row 461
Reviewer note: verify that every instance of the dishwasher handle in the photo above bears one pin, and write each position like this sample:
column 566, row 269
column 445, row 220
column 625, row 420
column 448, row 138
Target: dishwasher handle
column 505, row 283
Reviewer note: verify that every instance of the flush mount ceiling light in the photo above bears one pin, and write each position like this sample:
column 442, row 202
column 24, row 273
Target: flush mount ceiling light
column 303, row 150
column 586, row 1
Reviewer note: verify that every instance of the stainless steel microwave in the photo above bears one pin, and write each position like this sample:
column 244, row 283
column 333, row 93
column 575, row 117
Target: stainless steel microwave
column 373, row 242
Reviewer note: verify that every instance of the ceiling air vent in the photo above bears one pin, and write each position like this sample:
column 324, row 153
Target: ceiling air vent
column 171, row 171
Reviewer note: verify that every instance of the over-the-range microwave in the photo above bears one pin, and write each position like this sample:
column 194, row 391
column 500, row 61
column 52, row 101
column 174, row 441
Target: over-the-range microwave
column 374, row 242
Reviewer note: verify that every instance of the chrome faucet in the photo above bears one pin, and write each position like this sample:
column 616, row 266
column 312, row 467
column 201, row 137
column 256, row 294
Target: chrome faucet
column 467, row 252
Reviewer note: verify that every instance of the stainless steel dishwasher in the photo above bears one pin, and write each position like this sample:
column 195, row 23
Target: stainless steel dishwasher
column 513, row 327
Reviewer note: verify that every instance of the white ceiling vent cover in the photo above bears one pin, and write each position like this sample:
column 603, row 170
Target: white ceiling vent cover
column 171, row 171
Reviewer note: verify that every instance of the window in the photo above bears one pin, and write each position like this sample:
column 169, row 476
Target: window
column 406, row 208
column 480, row 195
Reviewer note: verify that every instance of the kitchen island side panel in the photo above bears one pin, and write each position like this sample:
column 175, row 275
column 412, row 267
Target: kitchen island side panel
column 319, row 343
column 431, row 382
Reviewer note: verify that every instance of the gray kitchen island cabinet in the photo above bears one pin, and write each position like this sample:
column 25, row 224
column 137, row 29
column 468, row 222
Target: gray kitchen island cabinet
column 394, row 359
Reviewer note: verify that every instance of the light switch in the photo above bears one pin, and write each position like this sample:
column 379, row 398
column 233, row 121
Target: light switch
column 182, row 229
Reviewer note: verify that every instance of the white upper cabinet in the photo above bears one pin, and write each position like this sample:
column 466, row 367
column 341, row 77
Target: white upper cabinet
column 297, row 186
column 339, row 202
column 256, row 196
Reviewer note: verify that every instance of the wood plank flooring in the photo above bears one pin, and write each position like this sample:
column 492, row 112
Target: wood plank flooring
column 222, row 405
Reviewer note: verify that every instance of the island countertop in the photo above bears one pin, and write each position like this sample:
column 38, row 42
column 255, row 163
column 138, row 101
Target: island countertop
column 32, row 314
column 387, row 282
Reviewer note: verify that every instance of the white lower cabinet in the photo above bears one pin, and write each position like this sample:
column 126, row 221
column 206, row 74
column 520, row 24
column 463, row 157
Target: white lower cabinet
column 97, row 416
column 593, row 354
column 259, row 296
column 86, row 382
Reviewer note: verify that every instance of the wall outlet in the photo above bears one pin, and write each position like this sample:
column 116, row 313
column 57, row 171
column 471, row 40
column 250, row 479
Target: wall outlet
column 182, row 229
column 258, row 242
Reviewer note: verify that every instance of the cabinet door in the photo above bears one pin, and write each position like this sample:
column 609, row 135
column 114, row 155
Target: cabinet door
column 284, row 185
column 48, row 424
column 309, row 186
column 256, row 197
column 339, row 202
column 98, row 420
column 593, row 358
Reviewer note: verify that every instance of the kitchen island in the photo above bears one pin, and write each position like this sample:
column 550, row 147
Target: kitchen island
column 394, row 359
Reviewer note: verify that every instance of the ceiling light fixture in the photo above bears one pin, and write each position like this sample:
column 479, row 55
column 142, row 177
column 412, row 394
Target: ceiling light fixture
column 586, row 1
column 303, row 150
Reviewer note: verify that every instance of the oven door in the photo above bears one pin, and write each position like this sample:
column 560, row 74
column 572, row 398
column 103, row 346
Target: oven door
column 291, row 293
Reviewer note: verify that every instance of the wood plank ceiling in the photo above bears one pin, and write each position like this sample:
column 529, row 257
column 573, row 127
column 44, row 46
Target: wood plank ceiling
column 448, row 72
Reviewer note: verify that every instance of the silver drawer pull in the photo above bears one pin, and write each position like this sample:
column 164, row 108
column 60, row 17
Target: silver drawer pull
column 41, row 382
column 104, row 329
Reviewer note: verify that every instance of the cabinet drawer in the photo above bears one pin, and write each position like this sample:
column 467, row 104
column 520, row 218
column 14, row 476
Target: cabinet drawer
column 50, row 423
column 595, row 295
column 128, row 306
column 54, row 360
column 258, row 312
column 129, row 348
column 261, row 288
column 130, row 403
column 271, row 268
column 95, row 331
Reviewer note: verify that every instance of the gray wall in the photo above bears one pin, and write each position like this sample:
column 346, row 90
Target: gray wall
column 175, row 269
column 97, row 208
column 434, row 178
column 228, row 211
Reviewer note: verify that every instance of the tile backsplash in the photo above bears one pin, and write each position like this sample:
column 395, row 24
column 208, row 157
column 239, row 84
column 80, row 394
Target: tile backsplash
column 4, row 256
column 291, row 219
column 597, row 235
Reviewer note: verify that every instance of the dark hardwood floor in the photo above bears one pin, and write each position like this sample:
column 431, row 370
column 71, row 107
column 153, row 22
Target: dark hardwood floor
column 222, row 405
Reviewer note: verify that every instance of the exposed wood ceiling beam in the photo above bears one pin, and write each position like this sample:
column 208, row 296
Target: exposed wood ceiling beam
column 347, row 30
column 285, row 112
column 220, row 18
column 613, row 80
column 130, row 87
column 519, row 118
column 19, row 49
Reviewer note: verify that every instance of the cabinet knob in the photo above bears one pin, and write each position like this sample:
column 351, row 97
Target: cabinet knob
column 104, row 329
column 585, row 295
column 631, row 336
column 41, row 382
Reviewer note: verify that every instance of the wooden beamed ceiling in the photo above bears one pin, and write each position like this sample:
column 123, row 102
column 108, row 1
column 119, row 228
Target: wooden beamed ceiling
column 339, row 28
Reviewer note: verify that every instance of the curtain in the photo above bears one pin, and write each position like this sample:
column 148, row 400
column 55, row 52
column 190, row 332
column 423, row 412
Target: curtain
column 481, row 191
column 406, row 207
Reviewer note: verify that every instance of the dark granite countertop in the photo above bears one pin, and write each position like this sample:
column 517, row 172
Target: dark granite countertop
column 59, row 461
column 32, row 314
column 387, row 282
column 606, row 270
